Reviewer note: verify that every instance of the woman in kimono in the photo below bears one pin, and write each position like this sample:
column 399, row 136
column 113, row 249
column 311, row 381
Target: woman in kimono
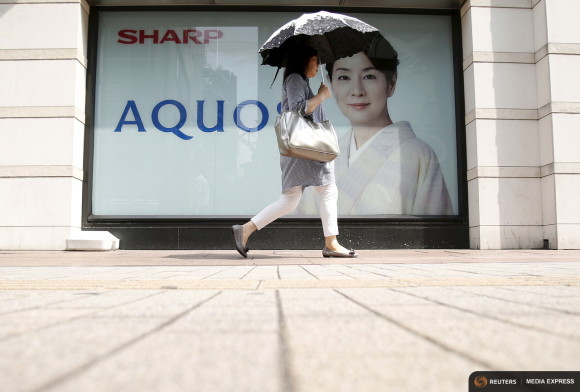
column 297, row 173
column 383, row 167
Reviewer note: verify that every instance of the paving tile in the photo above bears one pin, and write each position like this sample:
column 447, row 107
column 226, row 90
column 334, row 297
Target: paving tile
column 11, row 295
column 34, row 359
column 200, row 362
column 232, row 312
column 42, row 299
column 164, row 304
column 24, row 322
column 549, row 297
column 499, row 344
column 318, row 303
column 262, row 273
column 238, row 272
column 287, row 321
column 365, row 353
column 294, row 272
column 564, row 326
column 473, row 302
column 103, row 301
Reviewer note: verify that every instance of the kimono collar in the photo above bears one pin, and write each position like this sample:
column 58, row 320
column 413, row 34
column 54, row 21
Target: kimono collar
column 400, row 130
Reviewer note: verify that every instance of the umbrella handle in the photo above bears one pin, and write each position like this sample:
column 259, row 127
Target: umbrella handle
column 321, row 73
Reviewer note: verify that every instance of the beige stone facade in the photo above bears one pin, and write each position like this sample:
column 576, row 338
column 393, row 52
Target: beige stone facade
column 521, row 62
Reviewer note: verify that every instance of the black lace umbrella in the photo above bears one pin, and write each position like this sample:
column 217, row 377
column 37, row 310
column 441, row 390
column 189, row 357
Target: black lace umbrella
column 334, row 36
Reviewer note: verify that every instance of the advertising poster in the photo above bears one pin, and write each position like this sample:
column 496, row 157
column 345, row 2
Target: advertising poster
column 185, row 112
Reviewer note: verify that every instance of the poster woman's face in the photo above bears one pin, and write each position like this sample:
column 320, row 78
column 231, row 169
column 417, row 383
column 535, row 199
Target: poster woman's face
column 361, row 90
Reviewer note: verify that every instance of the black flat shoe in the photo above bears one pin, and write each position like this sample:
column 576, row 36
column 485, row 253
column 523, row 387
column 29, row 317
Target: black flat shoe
column 237, row 231
column 330, row 253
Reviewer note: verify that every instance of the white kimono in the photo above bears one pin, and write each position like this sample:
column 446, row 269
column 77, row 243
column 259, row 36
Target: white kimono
column 394, row 173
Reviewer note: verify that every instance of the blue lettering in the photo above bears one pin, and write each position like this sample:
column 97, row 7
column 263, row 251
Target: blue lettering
column 220, row 117
column 131, row 109
column 123, row 121
column 182, row 118
column 260, row 106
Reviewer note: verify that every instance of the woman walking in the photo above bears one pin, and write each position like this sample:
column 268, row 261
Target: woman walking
column 298, row 173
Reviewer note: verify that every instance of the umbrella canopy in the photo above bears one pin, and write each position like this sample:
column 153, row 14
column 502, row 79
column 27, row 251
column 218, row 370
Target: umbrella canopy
column 333, row 35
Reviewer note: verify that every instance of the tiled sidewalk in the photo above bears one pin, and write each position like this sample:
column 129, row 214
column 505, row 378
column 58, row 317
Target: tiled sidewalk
column 417, row 321
column 275, row 257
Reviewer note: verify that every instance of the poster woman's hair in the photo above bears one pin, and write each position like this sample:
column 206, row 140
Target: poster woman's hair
column 381, row 54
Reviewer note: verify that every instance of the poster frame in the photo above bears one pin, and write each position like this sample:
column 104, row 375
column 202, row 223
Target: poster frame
column 213, row 232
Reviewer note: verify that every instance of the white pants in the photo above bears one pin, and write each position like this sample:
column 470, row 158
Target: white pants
column 289, row 200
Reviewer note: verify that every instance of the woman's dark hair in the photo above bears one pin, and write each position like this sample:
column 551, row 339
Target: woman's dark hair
column 298, row 59
column 381, row 54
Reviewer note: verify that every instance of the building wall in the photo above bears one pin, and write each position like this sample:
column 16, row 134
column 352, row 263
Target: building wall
column 42, row 102
column 557, row 46
column 522, row 113
column 522, row 105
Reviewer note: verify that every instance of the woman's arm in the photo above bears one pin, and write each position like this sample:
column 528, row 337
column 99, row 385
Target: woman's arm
column 323, row 94
column 297, row 92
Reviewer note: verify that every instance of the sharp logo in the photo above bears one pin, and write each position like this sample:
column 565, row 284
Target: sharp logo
column 188, row 36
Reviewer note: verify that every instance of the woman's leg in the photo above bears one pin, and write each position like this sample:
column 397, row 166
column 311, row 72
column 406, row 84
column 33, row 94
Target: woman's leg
column 287, row 203
column 328, row 195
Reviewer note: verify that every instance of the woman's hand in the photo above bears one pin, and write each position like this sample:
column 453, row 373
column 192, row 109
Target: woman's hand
column 312, row 103
column 324, row 91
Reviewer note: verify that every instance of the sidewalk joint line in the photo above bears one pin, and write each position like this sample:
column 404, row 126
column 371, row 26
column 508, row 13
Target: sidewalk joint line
column 343, row 273
column 39, row 306
column 487, row 316
column 316, row 277
column 565, row 312
column 536, row 293
column 219, row 272
column 85, row 315
column 247, row 273
column 437, row 343
column 372, row 272
column 284, row 349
